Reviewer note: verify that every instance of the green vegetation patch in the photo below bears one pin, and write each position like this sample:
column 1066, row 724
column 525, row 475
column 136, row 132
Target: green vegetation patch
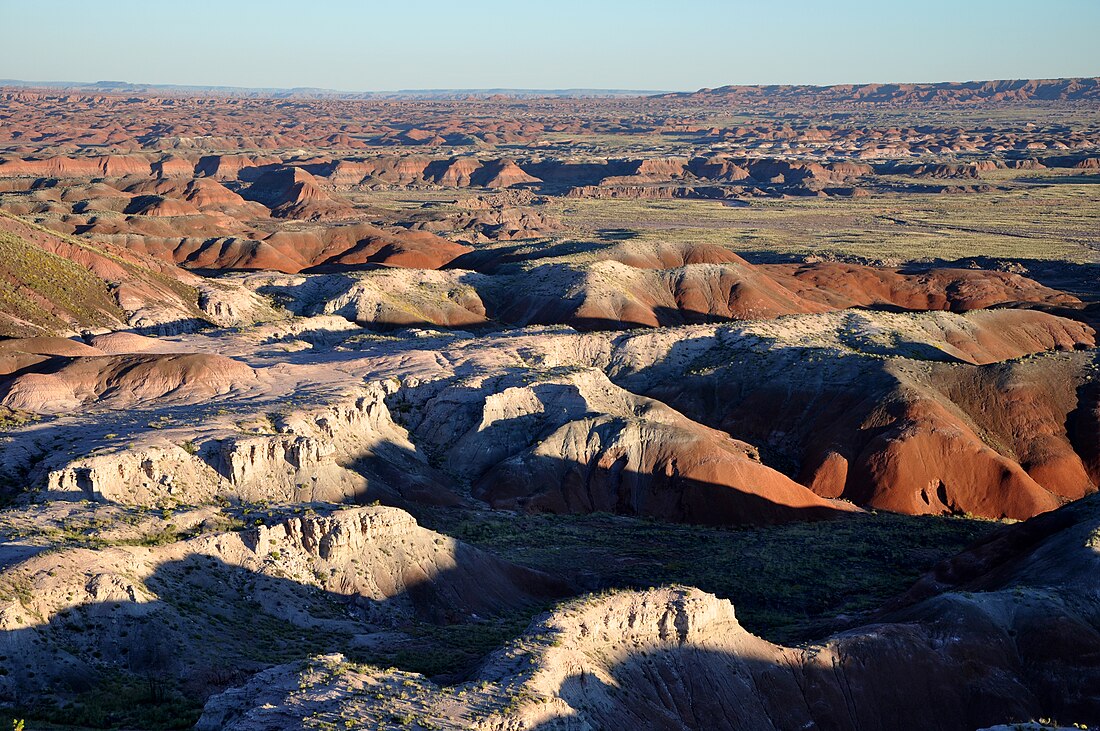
column 117, row 701
column 446, row 652
column 788, row 583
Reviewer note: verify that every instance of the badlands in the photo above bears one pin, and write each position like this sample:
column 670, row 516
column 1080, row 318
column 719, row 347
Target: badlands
column 749, row 408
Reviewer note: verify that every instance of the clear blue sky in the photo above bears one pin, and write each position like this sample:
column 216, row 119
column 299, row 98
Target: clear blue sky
column 635, row 44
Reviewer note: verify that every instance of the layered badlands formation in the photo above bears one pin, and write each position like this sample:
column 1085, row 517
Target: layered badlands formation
column 627, row 286
column 52, row 284
column 292, row 213
column 872, row 407
column 249, row 184
column 973, row 396
column 246, row 342
column 677, row 658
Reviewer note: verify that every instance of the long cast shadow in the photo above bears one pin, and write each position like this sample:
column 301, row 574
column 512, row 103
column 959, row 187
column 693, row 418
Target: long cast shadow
column 946, row 655
column 207, row 625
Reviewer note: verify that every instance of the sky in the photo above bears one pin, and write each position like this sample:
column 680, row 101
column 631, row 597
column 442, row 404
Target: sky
column 370, row 45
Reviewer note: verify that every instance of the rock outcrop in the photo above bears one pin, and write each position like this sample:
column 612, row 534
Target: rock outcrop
column 341, row 575
column 348, row 451
column 391, row 297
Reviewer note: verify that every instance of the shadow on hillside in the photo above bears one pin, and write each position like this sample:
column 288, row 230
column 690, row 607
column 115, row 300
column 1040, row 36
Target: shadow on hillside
column 1083, row 425
column 945, row 655
column 134, row 658
column 490, row 261
column 898, row 676
column 616, row 234
column 538, row 483
column 794, row 406
column 504, row 468
column 860, row 336
column 175, row 327
column 944, row 664
column 208, row 614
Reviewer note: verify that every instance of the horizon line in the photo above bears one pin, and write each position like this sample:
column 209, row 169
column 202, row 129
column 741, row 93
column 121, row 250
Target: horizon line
column 108, row 84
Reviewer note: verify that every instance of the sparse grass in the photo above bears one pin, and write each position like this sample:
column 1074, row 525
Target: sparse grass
column 786, row 582
column 13, row 419
column 117, row 700
column 1031, row 220
column 442, row 650
column 44, row 292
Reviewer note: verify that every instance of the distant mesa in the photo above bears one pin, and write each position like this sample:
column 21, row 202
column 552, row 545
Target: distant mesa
column 970, row 92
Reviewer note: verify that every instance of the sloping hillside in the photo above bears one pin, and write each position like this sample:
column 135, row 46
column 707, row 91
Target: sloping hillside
column 54, row 284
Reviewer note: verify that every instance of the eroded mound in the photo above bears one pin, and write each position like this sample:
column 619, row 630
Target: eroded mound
column 959, row 290
column 666, row 286
column 340, row 247
column 573, row 442
column 888, row 433
column 120, row 381
column 293, row 193
column 119, row 343
column 391, row 297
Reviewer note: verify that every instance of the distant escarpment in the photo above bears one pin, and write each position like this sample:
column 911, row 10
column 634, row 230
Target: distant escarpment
column 941, row 93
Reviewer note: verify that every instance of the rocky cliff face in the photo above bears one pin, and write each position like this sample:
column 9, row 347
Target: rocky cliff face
column 307, row 456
